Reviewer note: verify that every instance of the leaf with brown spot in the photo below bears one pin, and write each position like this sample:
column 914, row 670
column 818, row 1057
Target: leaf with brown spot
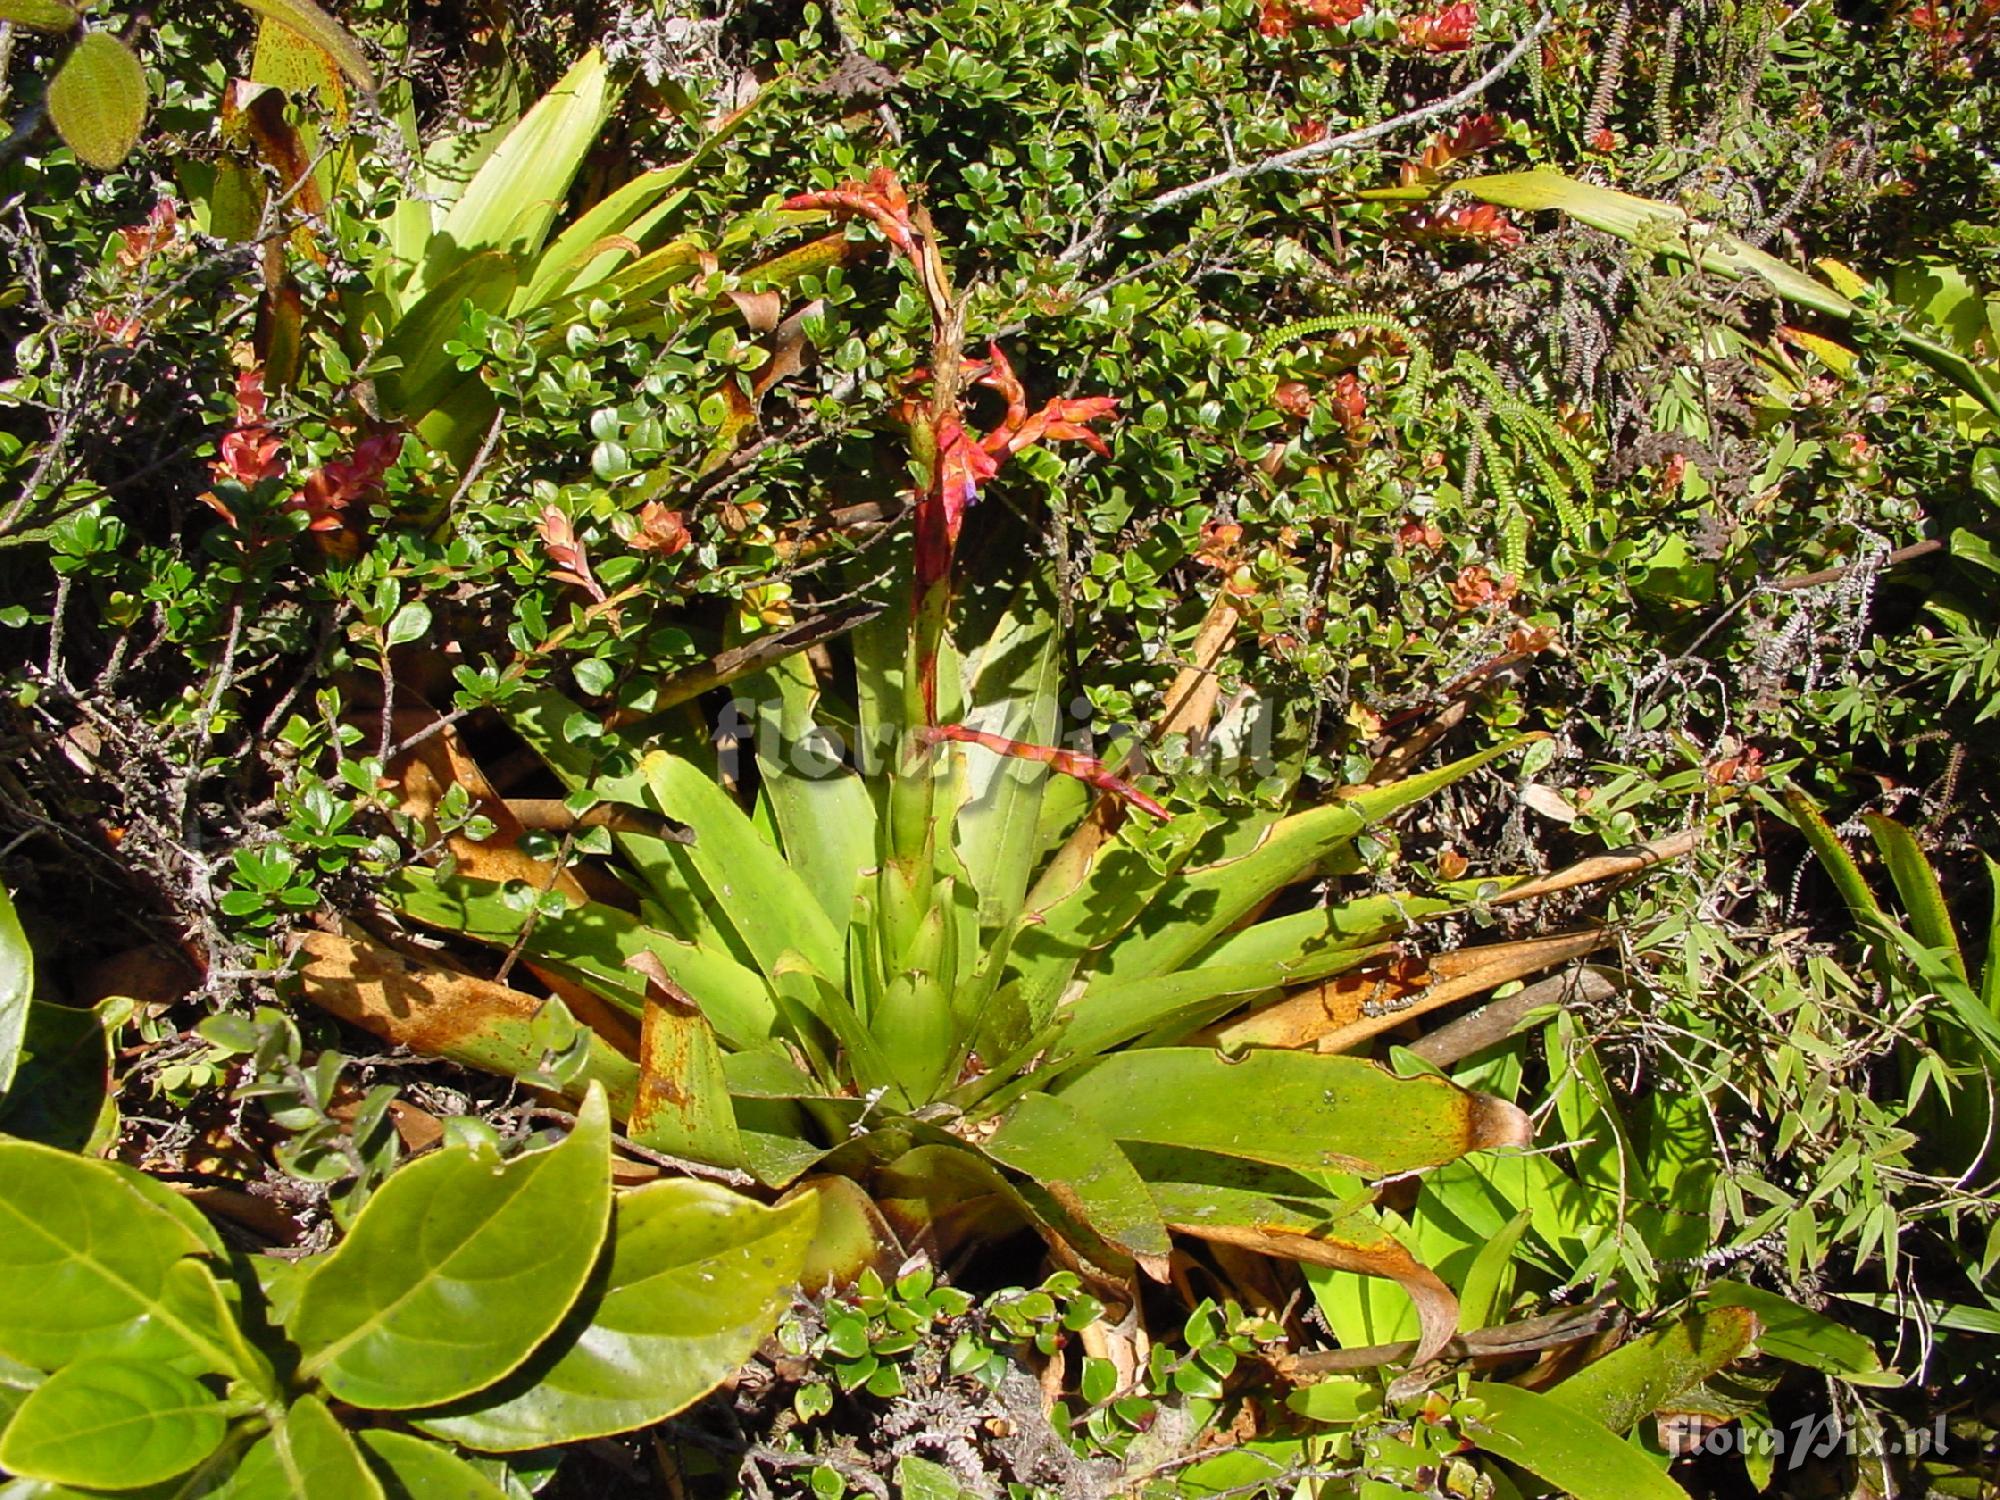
column 424, row 773
column 441, row 1013
column 682, row 1106
column 1341, row 1013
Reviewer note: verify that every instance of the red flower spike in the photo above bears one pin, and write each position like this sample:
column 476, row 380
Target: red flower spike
column 1091, row 772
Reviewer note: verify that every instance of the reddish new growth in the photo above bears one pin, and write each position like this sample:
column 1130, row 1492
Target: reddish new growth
column 1282, row 17
column 881, row 200
column 1480, row 222
column 1090, row 771
column 661, row 530
column 1447, row 30
column 251, row 453
column 562, row 547
column 342, row 481
column 1474, row 134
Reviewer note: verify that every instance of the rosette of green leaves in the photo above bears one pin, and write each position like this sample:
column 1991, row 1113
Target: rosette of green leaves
column 1003, row 1018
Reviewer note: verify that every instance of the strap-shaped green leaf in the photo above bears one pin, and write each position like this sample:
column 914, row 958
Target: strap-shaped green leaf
column 1917, row 885
column 1341, row 925
column 511, row 203
column 696, row 1279
column 1069, row 1156
column 575, row 260
column 98, row 100
column 1012, row 686
column 1642, row 1377
column 1578, row 1456
column 1291, row 1109
column 1194, row 910
column 593, row 943
column 824, row 813
column 429, row 371
column 749, row 884
column 115, row 1424
column 456, row 1270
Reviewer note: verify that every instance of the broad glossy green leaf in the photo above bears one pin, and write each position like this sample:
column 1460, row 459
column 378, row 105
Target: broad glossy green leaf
column 98, row 100
column 1579, row 1456
column 1075, row 1162
column 90, row 1265
column 325, row 33
column 748, row 882
column 592, row 943
column 456, row 1269
column 1204, row 902
column 1801, row 1336
column 1292, row 1109
column 38, row 15
column 1834, row 855
column 308, row 1456
column 695, row 1280
column 17, row 988
column 1637, row 1379
column 412, row 1469
column 113, row 1424
column 61, row 1096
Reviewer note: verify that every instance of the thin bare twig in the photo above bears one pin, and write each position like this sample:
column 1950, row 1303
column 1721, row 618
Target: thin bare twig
column 1301, row 157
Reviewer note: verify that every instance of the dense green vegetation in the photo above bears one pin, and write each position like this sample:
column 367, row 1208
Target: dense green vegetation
column 1195, row 749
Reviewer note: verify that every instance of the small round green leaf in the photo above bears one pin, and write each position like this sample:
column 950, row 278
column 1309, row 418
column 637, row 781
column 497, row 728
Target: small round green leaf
column 695, row 1281
column 113, row 1424
column 98, row 100
column 457, row 1268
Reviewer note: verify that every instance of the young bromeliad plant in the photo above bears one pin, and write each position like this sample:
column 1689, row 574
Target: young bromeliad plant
column 945, row 974
column 476, row 1302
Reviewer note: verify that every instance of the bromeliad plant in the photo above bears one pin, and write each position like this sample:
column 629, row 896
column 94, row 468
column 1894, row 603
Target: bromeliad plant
column 942, row 971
